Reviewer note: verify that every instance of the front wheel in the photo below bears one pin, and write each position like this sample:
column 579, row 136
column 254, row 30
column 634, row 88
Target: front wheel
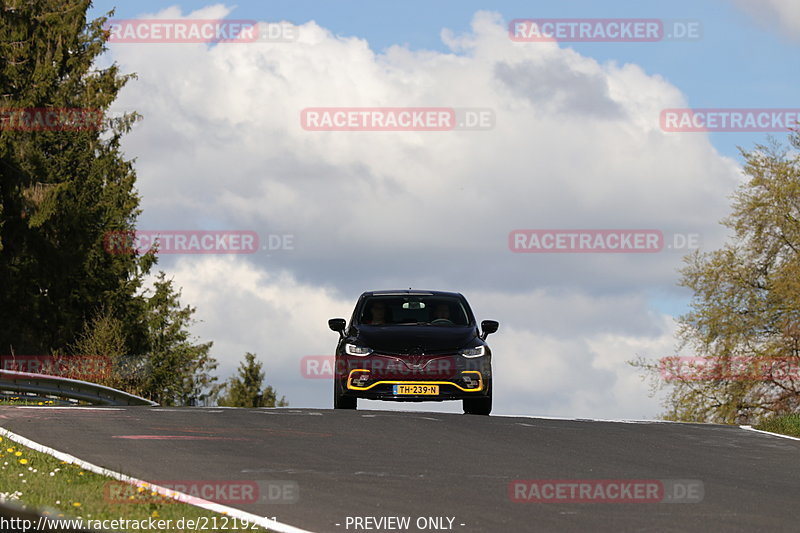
column 478, row 406
column 339, row 400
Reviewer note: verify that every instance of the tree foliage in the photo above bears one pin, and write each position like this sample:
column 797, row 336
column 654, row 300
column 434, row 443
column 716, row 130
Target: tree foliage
column 174, row 370
column 245, row 389
column 744, row 320
column 62, row 193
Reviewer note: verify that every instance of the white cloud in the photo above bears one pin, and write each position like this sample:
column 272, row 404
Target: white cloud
column 783, row 13
column 577, row 144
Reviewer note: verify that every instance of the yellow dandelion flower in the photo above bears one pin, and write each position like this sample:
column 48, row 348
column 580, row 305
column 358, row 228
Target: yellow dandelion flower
column 76, row 504
column 80, row 473
column 155, row 514
column 9, row 450
column 23, row 461
column 17, row 453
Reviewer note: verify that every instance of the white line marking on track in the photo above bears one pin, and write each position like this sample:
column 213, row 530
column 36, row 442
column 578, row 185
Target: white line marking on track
column 273, row 525
column 620, row 420
column 542, row 417
column 751, row 428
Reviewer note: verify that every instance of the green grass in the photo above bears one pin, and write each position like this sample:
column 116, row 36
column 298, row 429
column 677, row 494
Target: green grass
column 24, row 401
column 63, row 490
column 785, row 425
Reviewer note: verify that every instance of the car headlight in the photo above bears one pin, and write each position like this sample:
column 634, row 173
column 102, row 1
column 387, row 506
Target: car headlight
column 352, row 349
column 477, row 351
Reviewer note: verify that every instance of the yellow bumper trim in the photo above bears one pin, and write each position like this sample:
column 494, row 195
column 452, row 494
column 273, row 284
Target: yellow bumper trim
column 401, row 382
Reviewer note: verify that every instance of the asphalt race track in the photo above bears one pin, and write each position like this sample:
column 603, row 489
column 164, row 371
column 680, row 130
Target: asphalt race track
column 423, row 465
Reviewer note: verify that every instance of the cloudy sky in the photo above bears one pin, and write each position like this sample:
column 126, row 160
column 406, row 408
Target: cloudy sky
column 575, row 143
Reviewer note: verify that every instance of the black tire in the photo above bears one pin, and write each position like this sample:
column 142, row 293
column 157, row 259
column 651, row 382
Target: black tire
column 340, row 401
column 478, row 406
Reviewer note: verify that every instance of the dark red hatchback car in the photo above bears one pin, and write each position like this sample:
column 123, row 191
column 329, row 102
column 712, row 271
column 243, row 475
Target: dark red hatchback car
column 411, row 345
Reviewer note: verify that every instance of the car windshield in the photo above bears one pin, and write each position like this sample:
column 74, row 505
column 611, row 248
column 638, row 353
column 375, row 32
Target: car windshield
column 413, row 310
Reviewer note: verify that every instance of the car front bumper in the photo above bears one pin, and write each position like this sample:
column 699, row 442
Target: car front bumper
column 378, row 376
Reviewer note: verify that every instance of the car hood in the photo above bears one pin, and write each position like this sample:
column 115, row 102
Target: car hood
column 410, row 339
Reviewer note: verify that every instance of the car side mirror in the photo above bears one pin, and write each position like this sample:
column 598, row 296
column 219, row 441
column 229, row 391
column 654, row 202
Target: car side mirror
column 337, row 324
column 489, row 326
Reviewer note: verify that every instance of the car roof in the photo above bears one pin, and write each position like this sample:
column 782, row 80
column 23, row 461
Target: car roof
column 411, row 292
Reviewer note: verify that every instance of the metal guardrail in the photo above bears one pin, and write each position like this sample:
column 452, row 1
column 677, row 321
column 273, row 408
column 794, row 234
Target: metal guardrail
column 25, row 382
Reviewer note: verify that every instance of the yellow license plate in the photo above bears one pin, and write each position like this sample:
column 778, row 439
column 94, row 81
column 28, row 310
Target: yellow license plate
column 430, row 390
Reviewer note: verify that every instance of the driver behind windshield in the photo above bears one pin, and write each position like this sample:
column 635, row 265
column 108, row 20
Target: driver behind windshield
column 375, row 313
column 441, row 311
